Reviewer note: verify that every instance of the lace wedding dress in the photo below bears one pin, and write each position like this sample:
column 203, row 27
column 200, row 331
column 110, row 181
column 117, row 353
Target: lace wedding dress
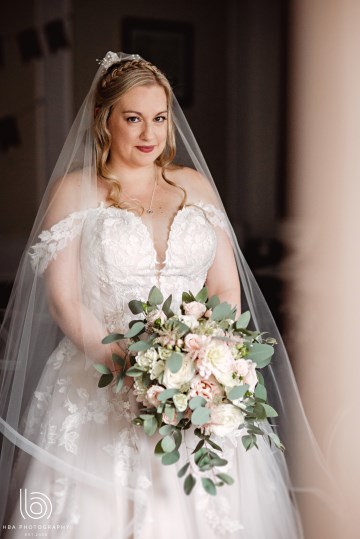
column 132, row 494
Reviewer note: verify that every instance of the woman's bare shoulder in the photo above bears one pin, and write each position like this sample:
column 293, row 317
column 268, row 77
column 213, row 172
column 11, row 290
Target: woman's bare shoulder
column 196, row 185
column 66, row 196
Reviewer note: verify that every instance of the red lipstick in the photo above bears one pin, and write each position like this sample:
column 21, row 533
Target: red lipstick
column 145, row 149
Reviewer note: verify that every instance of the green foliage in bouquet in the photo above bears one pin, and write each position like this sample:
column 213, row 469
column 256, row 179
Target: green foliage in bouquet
column 197, row 370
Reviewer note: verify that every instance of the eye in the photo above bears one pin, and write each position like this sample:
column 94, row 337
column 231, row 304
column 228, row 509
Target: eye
column 160, row 119
column 132, row 119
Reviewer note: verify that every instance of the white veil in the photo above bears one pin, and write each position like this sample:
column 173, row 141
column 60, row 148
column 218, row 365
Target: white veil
column 29, row 335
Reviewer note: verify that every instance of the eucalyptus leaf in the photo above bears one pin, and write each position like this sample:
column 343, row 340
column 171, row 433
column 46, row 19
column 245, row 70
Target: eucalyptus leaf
column 199, row 445
column 260, row 392
column 243, row 321
column 135, row 330
column 202, row 296
column 221, row 312
column 261, row 354
column 177, row 438
column 219, row 462
column 134, row 372
column 166, row 429
column 209, row 485
column 170, row 458
column 105, row 380
column 166, row 307
column 158, row 448
column 175, row 362
column 195, row 402
column 155, row 296
column 168, row 444
column 270, row 412
column 167, row 394
column 113, row 337
column 200, row 416
column 118, row 359
column 259, row 410
column 187, row 297
column 237, row 392
column 136, row 306
column 260, row 378
column 169, row 412
column 119, row 382
column 183, row 470
column 212, row 302
column 189, row 484
column 225, row 478
column 199, row 454
column 247, row 441
column 139, row 346
column 275, row 438
column 150, row 425
column 103, row 369
column 214, row 445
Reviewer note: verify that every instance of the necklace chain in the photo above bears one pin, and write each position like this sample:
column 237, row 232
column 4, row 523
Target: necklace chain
column 150, row 210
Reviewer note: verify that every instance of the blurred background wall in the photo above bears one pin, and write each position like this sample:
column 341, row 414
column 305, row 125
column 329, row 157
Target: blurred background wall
column 275, row 109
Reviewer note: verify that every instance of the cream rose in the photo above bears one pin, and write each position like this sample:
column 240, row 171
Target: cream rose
column 194, row 308
column 152, row 395
column 225, row 419
column 183, row 376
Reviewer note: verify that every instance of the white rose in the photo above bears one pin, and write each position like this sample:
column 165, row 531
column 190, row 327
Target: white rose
column 189, row 320
column 218, row 359
column 147, row 358
column 194, row 308
column 180, row 401
column 225, row 419
column 183, row 376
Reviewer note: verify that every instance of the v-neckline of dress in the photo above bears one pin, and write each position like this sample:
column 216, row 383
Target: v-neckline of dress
column 160, row 265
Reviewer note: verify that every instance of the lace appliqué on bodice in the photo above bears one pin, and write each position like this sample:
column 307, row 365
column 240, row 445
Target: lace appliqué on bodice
column 55, row 239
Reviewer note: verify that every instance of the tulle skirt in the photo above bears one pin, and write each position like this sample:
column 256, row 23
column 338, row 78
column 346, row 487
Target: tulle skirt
column 89, row 472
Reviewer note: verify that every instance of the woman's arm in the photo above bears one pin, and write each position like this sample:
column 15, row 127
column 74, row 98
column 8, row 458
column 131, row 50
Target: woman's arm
column 223, row 277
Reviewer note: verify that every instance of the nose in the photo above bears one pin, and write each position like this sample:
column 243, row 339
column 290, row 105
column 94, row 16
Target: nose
column 147, row 131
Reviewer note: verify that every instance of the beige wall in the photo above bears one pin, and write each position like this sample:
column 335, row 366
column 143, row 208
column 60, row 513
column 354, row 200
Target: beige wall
column 325, row 218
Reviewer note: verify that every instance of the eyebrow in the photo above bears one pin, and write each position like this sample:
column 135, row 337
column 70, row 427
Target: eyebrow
column 140, row 114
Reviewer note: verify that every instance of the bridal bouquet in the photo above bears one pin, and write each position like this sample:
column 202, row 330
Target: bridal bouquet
column 198, row 369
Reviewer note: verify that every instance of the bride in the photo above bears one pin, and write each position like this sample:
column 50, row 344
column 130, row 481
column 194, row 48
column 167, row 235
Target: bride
column 130, row 205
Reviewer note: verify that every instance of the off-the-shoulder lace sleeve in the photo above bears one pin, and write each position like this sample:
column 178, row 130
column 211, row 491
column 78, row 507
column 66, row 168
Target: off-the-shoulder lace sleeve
column 55, row 239
column 215, row 216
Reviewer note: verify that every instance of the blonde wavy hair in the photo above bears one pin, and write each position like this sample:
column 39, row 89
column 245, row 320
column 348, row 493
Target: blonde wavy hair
column 116, row 81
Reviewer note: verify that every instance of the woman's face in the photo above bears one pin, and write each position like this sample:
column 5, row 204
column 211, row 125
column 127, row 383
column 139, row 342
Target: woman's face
column 138, row 126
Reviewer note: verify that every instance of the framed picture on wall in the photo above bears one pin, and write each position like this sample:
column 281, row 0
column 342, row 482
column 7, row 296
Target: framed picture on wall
column 167, row 44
